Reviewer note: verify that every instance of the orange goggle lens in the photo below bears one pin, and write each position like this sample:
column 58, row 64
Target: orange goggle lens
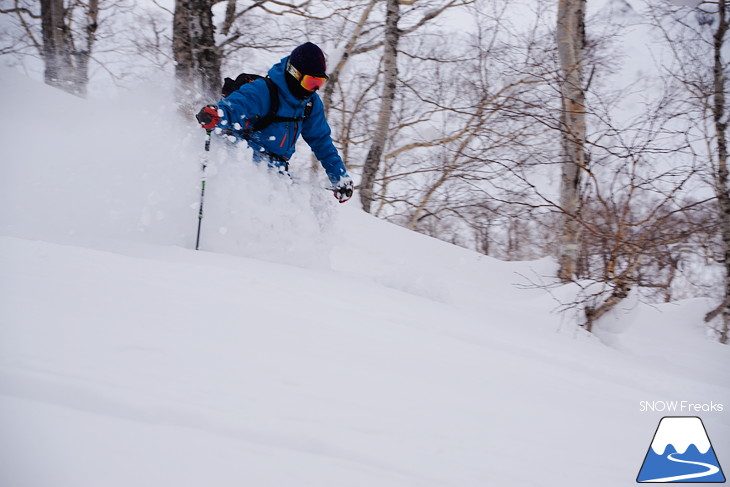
column 311, row 83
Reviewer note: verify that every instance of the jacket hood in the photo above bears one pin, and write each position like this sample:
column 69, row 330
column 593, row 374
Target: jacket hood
column 276, row 73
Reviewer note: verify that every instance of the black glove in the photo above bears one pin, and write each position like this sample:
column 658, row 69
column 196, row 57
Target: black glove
column 343, row 189
column 208, row 117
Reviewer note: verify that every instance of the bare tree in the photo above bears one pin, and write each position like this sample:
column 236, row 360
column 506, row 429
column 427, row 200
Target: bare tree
column 390, row 77
column 202, row 44
column 348, row 50
column 68, row 34
column 458, row 132
column 571, row 43
column 722, row 181
column 197, row 58
column 696, row 38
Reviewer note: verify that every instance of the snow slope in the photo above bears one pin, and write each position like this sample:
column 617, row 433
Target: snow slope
column 308, row 344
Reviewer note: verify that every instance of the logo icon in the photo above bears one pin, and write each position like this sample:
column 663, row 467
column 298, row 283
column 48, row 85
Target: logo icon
column 681, row 452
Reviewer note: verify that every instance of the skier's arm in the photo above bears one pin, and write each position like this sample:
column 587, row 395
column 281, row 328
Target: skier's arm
column 317, row 133
column 244, row 104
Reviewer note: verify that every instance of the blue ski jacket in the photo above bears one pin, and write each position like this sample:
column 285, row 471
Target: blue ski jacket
column 244, row 106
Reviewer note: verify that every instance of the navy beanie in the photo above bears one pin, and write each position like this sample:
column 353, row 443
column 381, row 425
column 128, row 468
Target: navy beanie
column 309, row 59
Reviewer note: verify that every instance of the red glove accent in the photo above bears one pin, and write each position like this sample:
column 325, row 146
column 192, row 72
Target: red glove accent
column 208, row 117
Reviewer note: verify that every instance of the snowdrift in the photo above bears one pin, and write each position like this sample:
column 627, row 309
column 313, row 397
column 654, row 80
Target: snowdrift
column 308, row 343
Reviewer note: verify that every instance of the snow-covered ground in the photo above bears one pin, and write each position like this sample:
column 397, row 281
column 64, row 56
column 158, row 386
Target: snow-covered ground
column 307, row 344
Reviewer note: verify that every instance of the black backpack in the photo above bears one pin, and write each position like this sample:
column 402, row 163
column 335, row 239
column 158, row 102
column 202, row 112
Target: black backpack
column 231, row 85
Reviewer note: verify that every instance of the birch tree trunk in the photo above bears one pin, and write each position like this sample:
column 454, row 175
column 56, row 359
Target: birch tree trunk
column 722, row 181
column 571, row 42
column 390, row 76
column 83, row 56
column 334, row 74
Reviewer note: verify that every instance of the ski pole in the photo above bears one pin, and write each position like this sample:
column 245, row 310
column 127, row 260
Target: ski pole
column 202, row 186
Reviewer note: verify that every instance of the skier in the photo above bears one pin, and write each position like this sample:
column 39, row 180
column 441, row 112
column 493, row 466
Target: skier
column 296, row 78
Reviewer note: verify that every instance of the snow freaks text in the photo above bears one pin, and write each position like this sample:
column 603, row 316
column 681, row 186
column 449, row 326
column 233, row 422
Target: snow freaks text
column 681, row 407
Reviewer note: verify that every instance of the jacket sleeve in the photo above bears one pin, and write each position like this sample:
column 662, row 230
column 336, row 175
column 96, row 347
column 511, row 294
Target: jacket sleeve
column 317, row 133
column 248, row 102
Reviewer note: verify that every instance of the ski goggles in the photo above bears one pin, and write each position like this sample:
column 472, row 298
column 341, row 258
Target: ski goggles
column 309, row 83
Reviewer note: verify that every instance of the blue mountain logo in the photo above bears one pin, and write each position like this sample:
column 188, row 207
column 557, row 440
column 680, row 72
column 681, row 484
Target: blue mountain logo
column 681, row 452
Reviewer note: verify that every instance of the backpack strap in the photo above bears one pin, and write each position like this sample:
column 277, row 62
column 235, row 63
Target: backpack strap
column 270, row 117
column 308, row 108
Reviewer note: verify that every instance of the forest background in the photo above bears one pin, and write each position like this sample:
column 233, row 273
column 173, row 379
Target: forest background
column 594, row 132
